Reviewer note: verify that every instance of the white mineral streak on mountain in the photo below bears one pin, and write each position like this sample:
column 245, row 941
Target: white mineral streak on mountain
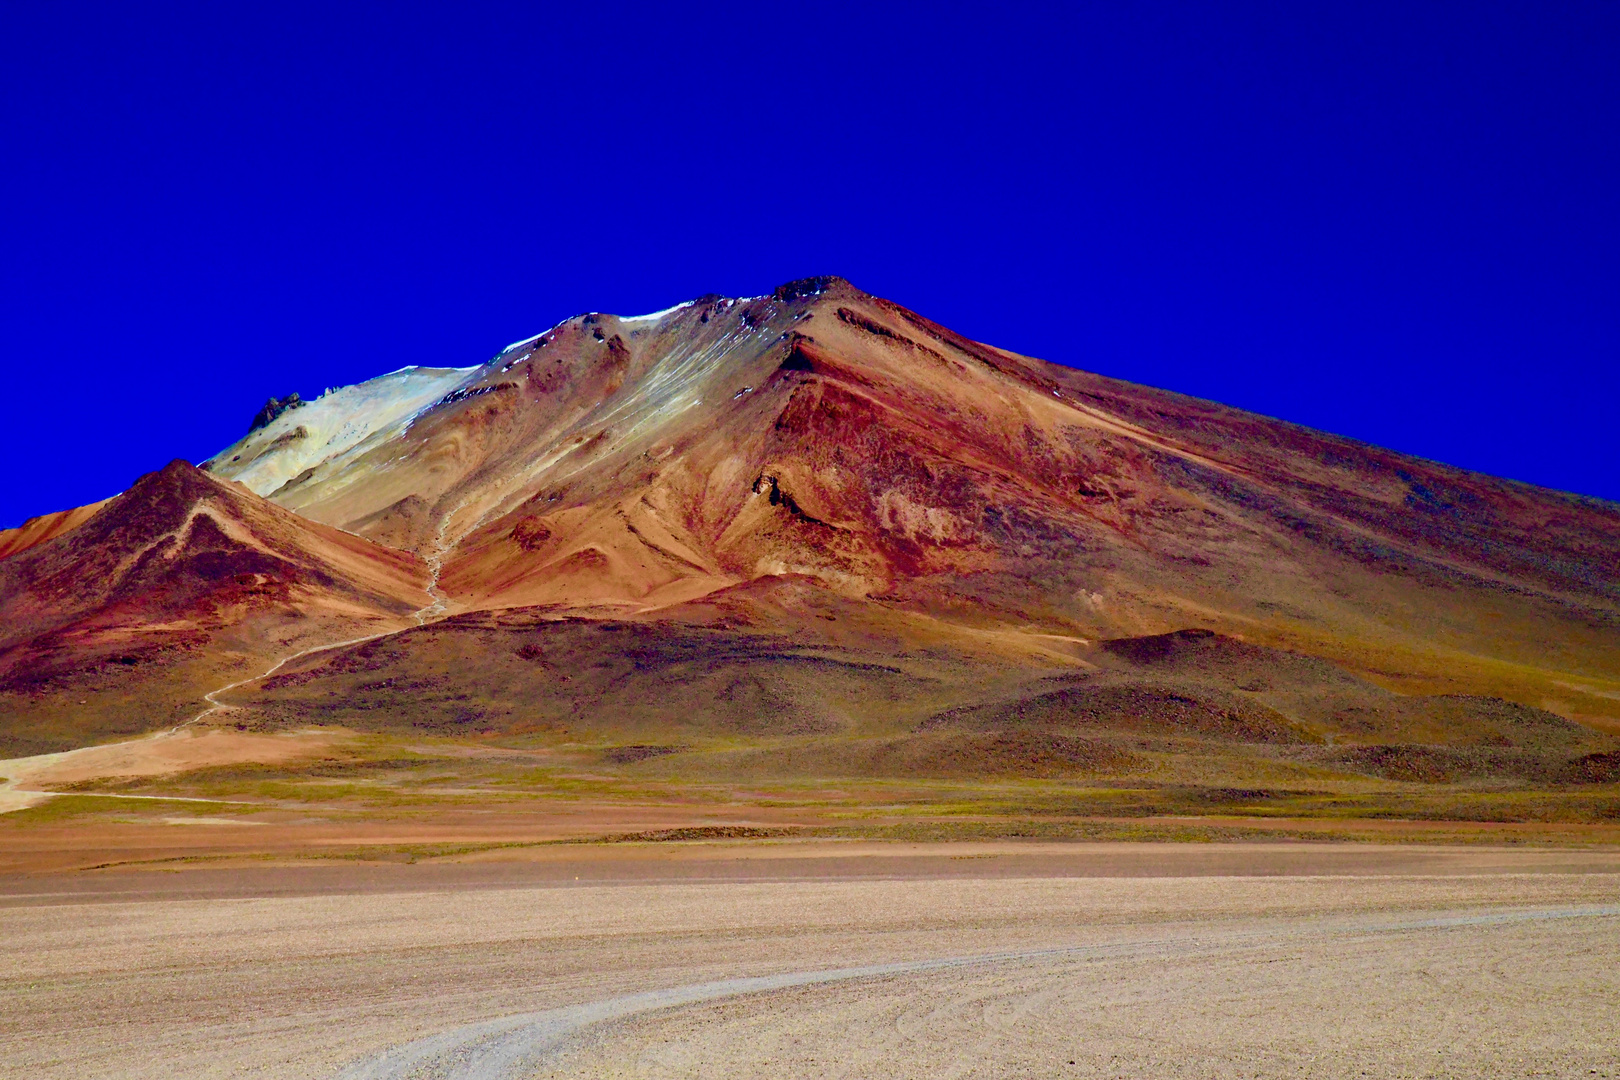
column 673, row 384
column 653, row 316
column 334, row 424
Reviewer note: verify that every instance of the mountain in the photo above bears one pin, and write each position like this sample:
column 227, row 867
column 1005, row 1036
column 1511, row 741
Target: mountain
column 629, row 465
column 817, row 513
column 121, row 623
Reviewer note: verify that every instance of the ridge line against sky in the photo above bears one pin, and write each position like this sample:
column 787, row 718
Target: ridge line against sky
column 1392, row 224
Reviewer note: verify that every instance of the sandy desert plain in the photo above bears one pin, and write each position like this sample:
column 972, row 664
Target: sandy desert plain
column 787, row 686
column 390, row 926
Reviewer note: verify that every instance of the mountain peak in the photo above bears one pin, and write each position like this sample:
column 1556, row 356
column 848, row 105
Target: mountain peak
column 812, row 287
column 159, row 501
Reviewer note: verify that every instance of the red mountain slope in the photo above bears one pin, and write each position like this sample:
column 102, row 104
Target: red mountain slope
column 632, row 465
column 824, row 466
column 177, row 581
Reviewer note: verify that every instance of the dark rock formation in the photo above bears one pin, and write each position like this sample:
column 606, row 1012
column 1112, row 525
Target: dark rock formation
column 274, row 408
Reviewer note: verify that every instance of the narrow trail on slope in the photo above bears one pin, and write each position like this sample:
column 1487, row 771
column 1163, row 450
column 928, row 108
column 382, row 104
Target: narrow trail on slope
column 439, row 603
column 215, row 705
column 18, row 770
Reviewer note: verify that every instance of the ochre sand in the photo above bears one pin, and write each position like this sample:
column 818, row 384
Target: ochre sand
column 1173, row 960
column 26, row 781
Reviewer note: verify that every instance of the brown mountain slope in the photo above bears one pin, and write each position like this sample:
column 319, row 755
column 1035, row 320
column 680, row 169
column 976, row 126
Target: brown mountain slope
column 816, row 516
column 660, row 697
column 120, row 624
column 629, row 466
column 37, row 530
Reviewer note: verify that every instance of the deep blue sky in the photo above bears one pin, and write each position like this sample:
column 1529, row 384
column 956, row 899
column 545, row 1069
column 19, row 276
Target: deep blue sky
column 1401, row 222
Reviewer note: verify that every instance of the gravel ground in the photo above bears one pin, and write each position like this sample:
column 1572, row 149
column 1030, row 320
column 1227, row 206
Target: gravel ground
column 1480, row 965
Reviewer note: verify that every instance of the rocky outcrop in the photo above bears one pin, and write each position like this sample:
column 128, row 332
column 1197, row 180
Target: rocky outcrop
column 274, row 408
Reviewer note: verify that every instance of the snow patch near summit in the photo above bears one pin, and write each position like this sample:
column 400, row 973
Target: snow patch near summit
column 333, row 424
column 656, row 314
column 651, row 316
column 520, row 344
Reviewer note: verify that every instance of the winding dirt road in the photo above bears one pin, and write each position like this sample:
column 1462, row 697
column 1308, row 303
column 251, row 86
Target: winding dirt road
column 161, row 752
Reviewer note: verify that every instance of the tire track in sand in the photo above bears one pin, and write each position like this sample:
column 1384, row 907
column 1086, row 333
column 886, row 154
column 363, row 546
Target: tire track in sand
column 513, row 1046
